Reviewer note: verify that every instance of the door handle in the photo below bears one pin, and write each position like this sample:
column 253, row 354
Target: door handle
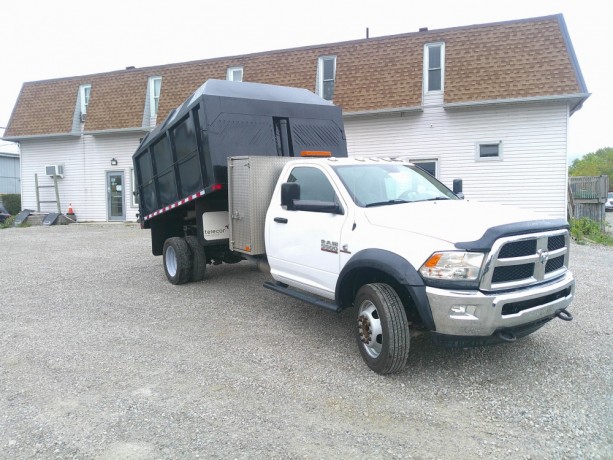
column 281, row 220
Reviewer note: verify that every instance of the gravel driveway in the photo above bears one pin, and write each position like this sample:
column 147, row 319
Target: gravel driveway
column 100, row 357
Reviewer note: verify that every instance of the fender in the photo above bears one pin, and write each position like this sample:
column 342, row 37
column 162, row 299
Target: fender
column 392, row 265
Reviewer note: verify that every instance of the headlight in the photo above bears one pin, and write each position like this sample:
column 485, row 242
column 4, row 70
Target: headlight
column 453, row 266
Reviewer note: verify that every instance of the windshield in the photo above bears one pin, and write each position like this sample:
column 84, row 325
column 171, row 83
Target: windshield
column 382, row 184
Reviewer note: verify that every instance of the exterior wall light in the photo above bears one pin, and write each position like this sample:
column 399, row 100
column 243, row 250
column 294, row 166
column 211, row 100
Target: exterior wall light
column 113, row 162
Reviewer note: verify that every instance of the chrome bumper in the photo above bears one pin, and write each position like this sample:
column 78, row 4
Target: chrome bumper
column 478, row 314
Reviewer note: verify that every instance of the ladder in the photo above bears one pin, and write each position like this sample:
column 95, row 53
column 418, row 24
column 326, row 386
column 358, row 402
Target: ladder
column 57, row 194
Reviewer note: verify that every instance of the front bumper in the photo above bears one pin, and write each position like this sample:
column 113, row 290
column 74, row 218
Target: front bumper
column 479, row 314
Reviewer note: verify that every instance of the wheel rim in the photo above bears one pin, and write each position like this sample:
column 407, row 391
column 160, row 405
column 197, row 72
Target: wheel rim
column 171, row 261
column 370, row 332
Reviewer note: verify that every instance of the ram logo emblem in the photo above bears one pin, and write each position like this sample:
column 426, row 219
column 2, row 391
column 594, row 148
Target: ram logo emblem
column 543, row 256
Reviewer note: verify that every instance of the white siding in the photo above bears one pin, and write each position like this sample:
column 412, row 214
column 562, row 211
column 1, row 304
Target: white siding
column 86, row 161
column 533, row 169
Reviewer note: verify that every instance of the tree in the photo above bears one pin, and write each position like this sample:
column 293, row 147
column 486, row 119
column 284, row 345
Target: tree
column 597, row 163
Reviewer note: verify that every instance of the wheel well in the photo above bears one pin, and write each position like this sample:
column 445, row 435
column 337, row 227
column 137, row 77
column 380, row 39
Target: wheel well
column 358, row 277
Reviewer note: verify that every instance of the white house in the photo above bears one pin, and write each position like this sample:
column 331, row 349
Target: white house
column 486, row 103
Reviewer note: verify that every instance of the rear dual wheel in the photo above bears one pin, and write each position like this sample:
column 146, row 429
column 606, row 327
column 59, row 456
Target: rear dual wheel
column 184, row 260
column 198, row 258
column 177, row 260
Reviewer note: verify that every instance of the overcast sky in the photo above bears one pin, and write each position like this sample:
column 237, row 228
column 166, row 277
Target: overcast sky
column 49, row 39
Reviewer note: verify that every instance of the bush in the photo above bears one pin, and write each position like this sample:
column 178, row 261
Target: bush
column 8, row 222
column 587, row 229
column 12, row 203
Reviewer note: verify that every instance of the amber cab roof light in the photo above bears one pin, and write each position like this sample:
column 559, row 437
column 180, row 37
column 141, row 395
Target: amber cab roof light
column 315, row 153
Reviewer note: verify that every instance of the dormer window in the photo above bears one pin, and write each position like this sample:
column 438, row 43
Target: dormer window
column 434, row 67
column 84, row 92
column 326, row 76
column 234, row 74
column 155, row 86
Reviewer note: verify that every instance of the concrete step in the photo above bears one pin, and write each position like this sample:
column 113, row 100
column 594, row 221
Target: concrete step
column 37, row 218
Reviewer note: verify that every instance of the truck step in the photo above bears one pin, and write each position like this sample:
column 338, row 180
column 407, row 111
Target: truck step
column 308, row 298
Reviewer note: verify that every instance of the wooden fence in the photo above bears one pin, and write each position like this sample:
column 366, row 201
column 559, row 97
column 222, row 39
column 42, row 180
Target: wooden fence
column 587, row 196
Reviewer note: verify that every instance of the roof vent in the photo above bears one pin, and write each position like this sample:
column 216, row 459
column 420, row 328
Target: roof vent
column 423, row 29
column 130, row 67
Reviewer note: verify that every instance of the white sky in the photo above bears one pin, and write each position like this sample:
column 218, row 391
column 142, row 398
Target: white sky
column 60, row 38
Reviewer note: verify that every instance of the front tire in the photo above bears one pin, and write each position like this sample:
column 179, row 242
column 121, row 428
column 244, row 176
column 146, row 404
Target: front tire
column 177, row 260
column 383, row 330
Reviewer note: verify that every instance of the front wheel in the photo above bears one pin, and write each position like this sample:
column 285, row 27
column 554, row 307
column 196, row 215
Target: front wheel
column 177, row 260
column 383, row 330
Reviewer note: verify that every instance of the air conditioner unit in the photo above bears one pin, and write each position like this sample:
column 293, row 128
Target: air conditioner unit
column 55, row 170
column 83, row 117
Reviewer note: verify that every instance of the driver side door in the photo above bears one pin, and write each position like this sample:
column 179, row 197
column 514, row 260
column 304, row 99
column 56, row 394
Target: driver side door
column 303, row 245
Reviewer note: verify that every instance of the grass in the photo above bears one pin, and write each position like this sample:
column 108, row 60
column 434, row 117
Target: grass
column 588, row 230
column 10, row 222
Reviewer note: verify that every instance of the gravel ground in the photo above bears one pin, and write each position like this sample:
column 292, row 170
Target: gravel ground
column 100, row 357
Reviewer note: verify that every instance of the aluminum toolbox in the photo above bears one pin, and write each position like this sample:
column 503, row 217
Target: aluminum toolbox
column 251, row 183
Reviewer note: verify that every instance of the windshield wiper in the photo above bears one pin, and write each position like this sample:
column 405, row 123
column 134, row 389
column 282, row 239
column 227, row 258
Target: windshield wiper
column 433, row 199
column 386, row 203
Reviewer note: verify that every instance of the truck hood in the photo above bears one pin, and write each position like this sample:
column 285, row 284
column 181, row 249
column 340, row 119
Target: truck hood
column 450, row 220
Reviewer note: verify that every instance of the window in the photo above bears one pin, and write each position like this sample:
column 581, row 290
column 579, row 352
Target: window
column 434, row 67
column 430, row 166
column 489, row 150
column 326, row 76
column 84, row 92
column 314, row 185
column 155, row 86
column 234, row 74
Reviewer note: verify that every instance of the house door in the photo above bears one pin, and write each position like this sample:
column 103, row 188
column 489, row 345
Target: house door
column 114, row 193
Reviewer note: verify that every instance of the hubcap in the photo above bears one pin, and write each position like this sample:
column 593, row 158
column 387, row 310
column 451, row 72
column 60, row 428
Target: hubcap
column 369, row 329
column 171, row 261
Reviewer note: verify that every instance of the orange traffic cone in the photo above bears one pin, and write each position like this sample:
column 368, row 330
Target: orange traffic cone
column 70, row 213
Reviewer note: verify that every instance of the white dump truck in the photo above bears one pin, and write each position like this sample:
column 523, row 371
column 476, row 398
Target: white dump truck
column 378, row 235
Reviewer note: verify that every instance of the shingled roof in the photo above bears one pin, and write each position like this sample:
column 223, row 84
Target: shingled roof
column 514, row 60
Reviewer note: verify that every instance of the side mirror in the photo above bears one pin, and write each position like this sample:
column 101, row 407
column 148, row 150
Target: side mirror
column 290, row 191
column 457, row 188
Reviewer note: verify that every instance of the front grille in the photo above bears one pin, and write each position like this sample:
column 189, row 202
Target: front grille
column 518, row 249
column 554, row 264
column 512, row 273
column 522, row 260
column 513, row 308
column 556, row 242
